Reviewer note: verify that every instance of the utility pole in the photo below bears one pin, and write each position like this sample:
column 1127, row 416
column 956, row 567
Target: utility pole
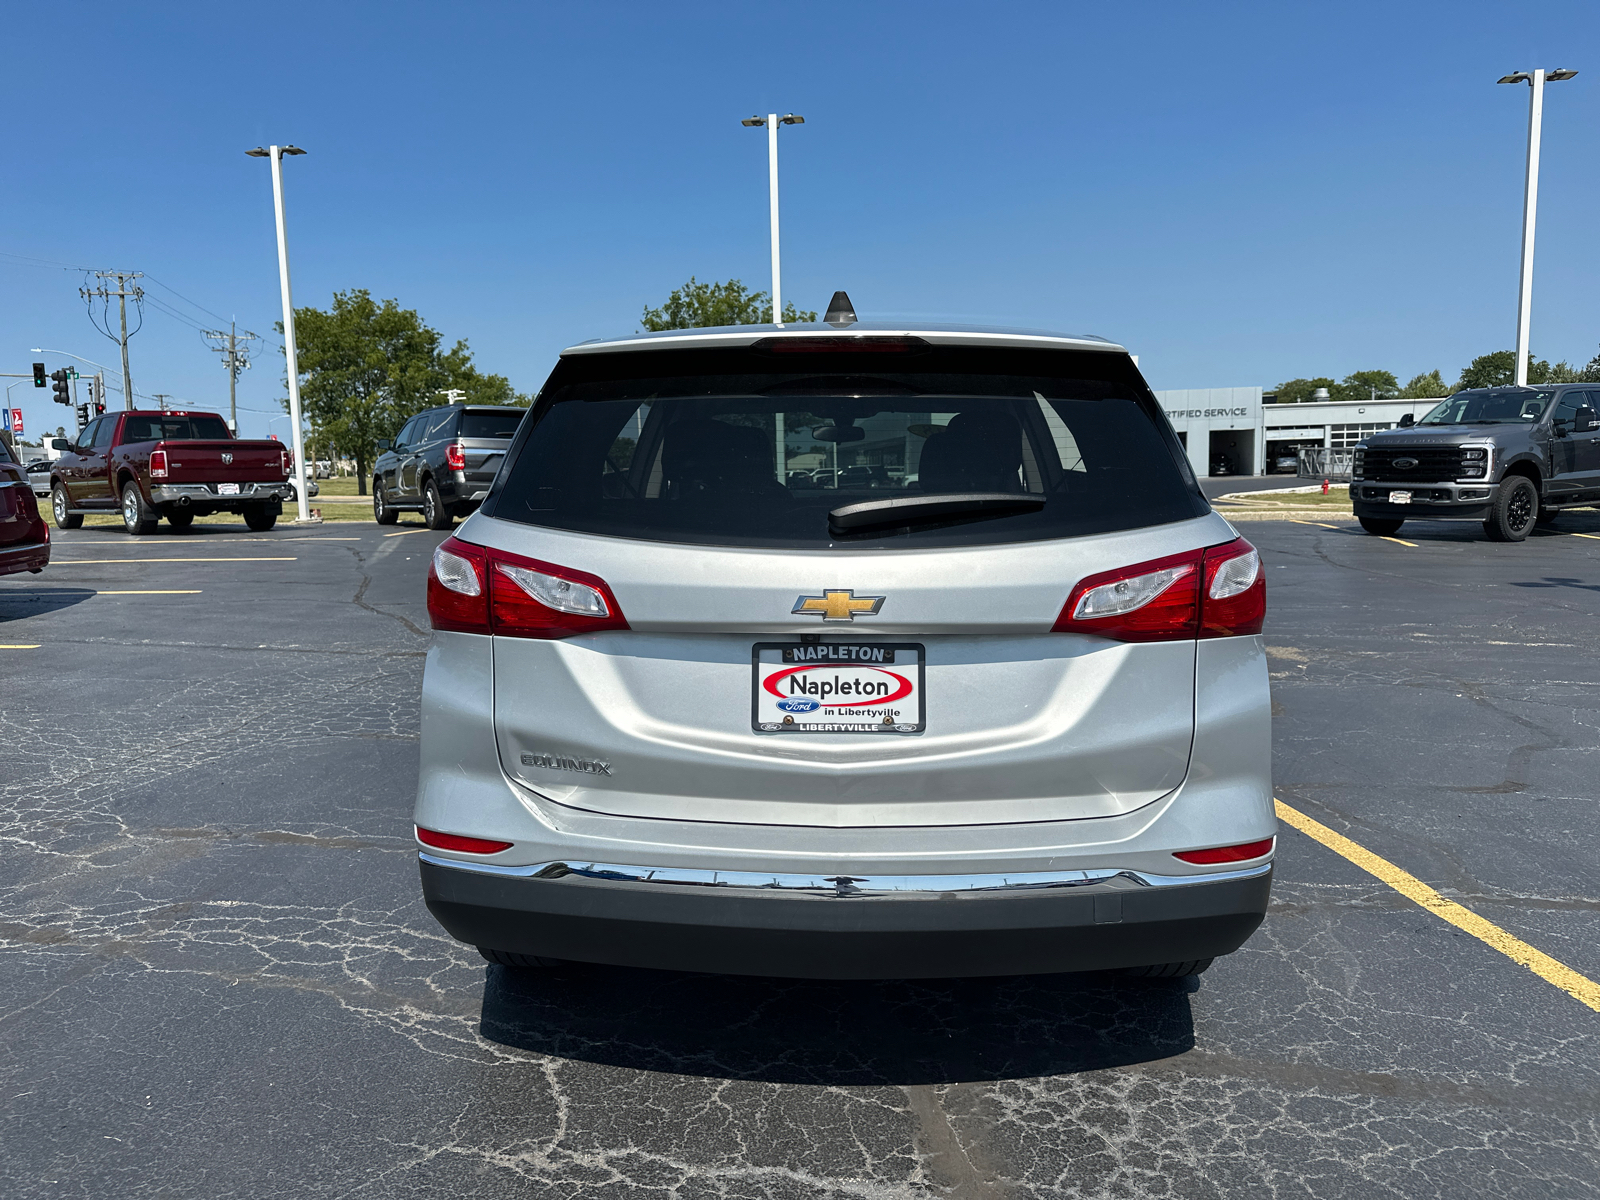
column 122, row 293
column 235, row 350
column 160, row 398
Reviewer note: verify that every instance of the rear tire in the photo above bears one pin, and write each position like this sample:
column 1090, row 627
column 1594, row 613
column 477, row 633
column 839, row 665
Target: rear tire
column 259, row 517
column 180, row 518
column 60, row 502
column 433, row 510
column 522, row 962
column 381, row 512
column 1175, row 970
column 1382, row 526
column 137, row 517
column 1515, row 508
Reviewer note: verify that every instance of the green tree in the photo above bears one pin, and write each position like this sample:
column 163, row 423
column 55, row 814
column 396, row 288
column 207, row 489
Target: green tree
column 1425, row 387
column 697, row 305
column 1367, row 385
column 1591, row 373
column 1499, row 369
column 1563, row 372
column 366, row 366
column 1298, row 391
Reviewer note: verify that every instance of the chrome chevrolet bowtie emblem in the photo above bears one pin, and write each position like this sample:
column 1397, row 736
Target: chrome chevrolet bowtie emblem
column 837, row 604
column 227, row 459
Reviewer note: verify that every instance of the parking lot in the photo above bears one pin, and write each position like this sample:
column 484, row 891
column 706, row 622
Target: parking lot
column 220, row 980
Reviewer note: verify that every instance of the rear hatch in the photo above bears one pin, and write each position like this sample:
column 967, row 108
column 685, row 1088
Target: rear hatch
column 892, row 665
column 485, row 435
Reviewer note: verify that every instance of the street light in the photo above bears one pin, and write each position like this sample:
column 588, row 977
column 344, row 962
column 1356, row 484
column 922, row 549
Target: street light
column 276, row 153
column 1530, row 203
column 772, row 121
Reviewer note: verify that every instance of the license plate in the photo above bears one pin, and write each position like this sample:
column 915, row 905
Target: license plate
column 837, row 687
column 1399, row 497
column 227, row 489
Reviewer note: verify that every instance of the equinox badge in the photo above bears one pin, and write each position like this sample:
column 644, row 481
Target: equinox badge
column 837, row 604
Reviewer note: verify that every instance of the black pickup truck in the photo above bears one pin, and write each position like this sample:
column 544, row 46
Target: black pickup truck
column 1507, row 456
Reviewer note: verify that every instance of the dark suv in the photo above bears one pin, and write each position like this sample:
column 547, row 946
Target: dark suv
column 1506, row 456
column 442, row 462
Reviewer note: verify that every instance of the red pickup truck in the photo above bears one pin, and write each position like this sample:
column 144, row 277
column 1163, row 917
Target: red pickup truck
column 177, row 465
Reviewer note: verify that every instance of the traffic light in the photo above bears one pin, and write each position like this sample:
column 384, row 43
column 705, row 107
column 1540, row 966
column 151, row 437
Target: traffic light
column 83, row 416
column 61, row 388
column 38, row 374
column 97, row 394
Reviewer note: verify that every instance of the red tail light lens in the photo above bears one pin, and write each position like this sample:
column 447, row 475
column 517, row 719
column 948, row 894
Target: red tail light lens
column 158, row 464
column 458, row 588
column 287, row 462
column 1218, row 592
column 472, row 589
column 454, row 841
column 455, row 457
column 1228, row 854
column 1235, row 600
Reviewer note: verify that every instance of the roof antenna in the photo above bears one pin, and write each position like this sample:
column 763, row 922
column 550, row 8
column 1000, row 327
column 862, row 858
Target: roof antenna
column 840, row 311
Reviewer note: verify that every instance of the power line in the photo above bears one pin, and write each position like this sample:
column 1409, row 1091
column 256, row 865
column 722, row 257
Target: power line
column 123, row 278
column 185, row 299
column 235, row 350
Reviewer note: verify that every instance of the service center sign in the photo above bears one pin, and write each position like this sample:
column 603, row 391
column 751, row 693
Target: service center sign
column 834, row 687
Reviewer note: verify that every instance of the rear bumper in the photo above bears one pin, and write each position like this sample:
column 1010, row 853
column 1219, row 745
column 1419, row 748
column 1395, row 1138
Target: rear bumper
column 1118, row 921
column 207, row 494
column 1459, row 501
column 31, row 556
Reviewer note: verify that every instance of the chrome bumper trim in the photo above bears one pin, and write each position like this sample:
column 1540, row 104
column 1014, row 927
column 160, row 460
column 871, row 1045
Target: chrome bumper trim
column 205, row 491
column 844, row 885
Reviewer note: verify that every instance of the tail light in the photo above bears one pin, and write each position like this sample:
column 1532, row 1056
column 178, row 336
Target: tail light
column 158, row 464
column 455, row 457
column 287, row 462
column 473, row 589
column 1228, row 854
column 454, row 841
column 1217, row 592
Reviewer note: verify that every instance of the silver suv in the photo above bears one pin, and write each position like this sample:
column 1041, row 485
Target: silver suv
column 985, row 695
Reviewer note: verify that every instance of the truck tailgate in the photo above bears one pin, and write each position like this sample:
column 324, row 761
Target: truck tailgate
column 209, row 462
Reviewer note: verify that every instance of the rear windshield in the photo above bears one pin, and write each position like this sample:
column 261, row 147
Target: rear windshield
column 491, row 424
column 1488, row 408
column 748, row 447
column 169, row 427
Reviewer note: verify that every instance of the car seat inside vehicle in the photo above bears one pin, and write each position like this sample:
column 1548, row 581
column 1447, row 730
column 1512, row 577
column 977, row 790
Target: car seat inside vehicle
column 975, row 452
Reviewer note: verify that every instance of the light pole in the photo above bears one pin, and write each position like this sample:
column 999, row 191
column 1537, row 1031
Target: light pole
column 1530, row 203
column 772, row 121
column 276, row 153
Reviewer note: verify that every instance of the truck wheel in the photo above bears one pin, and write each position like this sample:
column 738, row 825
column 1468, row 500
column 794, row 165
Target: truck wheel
column 381, row 512
column 59, row 504
column 1167, row 970
column 138, row 518
column 1514, row 510
column 180, row 518
column 259, row 517
column 433, row 510
column 1382, row 526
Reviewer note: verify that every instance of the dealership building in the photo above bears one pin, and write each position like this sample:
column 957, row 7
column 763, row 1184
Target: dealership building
column 1240, row 431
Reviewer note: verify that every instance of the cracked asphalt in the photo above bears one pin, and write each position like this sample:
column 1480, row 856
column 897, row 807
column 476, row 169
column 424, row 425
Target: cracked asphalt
column 217, row 977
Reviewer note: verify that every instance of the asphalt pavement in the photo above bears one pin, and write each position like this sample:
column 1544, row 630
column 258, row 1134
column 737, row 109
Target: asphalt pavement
column 219, row 978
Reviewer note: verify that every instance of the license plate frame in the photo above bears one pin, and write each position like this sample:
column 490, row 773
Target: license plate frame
column 1399, row 497
column 865, row 661
column 227, row 489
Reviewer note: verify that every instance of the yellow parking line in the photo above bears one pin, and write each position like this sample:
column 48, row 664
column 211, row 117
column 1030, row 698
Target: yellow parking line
column 1595, row 536
column 403, row 532
column 190, row 592
column 1318, row 524
column 34, row 646
column 1580, row 987
column 1401, row 541
column 63, row 562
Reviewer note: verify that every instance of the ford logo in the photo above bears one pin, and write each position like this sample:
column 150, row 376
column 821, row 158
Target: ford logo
column 799, row 705
column 1405, row 464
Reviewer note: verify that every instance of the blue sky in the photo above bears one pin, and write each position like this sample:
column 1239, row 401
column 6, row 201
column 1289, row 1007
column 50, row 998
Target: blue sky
column 1241, row 193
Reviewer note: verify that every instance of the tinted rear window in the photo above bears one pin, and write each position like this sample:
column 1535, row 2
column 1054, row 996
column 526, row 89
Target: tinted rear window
column 491, row 424
column 745, row 447
column 168, row 428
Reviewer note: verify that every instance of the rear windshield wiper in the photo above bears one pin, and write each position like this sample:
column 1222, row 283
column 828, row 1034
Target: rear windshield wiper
column 908, row 510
